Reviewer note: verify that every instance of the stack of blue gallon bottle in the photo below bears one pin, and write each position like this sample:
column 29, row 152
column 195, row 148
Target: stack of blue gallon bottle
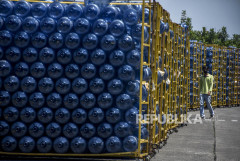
column 69, row 77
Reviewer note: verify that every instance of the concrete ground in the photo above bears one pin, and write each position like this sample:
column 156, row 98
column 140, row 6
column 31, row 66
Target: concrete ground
column 213, row 140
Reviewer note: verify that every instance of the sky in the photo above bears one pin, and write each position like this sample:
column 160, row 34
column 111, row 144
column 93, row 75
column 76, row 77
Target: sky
column 208, row 13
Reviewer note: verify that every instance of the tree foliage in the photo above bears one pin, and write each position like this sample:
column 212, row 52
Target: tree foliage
column 211, row 36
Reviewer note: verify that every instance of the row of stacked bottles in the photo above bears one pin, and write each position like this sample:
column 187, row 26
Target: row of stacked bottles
column 70, row 77
column 222, row 63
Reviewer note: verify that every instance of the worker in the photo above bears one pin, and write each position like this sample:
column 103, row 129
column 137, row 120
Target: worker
column 206, row 85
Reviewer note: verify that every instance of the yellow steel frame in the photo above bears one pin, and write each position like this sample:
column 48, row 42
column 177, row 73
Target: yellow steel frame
column 194, row 77
column 186, row 51
column 138, row 153
column 235, row 65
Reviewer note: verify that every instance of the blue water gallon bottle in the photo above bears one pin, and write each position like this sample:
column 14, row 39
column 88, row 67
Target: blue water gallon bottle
column 74, row 11
column 96, row 115
column 115, row 87
column 87, row 130
column 55, row 70
column 87, row 100
column 19, row 99
column 5, row 98
column 106, row 72
column 62, row 115
column 79, row 116
column 47, row 25
column 61, row 145
column 126, row 73
column 105, row 100
column 21, row 39
column 125, row 43
column 54, row 100
column 45, row 85
column 22, row 8
column 134, row 58
column 71, row 101
column 13, row 23
column 46, row 55
column 104, row 130
column 130, row 17
column 28, row 115
column 78, row 145
column 108, row 42
column 44, row 144
column 70, row 130
column 124, row 101
column 11, row 84
column 45, row 115
column 64, row 25
column 5, row 68
column 21, row 69
column 80, row 56
column 72, row 71
column 6, row 7
column 26, row 144
column 39, row 40
column 109, row 13
column 39, row 10
column 18, row 129
column 5, row 38
column 166, row 27
column 36, row 130
column 91, row 12
column 30, row 55
column 1, row 22
column 96, row 85
column 56, row 40
column 136, row 32
column 98, row 57
column 63, row 86
column 81, row 26
column 113, row 115
column 122, row 129
column 88, row 71
column 100, row 27
column 8, row 144
column 113, row 144
column 131, row 116
column 147, row 73
column 95, row 145
column 79, row 85
column 130, row 144
column 4, row 128
column 13, row 54
column 10, row 114
column 117, row 28
column 56, row 10
column 53, row 130
column 90, row 41
column 36, row 100
column 72, row 40
column 162, row 28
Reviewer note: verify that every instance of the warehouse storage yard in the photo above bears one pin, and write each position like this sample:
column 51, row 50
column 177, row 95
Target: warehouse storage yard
column 97, row 80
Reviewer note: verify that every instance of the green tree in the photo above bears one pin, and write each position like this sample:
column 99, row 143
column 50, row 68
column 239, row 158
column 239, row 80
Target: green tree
column 189, row 23
column 236, row 40
column 223, row 36
column 211, row 36
column 184, row 16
